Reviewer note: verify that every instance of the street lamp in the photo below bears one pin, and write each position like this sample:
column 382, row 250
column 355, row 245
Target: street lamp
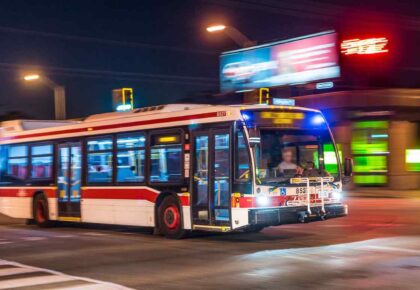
column 59, row 94
column 233, row 33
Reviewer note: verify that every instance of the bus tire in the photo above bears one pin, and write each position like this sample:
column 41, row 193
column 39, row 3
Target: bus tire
column 40, row 211
column 170, row 218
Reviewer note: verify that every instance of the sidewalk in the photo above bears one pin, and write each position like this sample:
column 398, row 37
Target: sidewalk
column 382, row 193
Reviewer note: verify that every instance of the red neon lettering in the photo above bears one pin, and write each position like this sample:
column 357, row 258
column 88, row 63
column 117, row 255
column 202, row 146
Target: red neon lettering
column 364, row 46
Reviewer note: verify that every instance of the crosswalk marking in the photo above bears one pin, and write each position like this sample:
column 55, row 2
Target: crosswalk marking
column 32, row 281
column 18, row 276
column 14, row 271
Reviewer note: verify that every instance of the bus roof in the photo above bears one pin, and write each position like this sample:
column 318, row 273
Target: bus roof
column 161, row 116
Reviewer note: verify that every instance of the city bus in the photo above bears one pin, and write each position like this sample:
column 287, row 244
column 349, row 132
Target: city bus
column 175, row 168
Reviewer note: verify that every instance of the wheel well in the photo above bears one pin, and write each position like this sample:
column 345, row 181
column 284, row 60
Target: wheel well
column 159, row 201
column 37, row 193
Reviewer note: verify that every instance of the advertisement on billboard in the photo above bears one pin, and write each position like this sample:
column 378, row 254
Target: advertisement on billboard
column 295, row 61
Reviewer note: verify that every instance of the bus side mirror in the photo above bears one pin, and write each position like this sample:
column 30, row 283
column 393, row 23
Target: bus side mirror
column 348, row 167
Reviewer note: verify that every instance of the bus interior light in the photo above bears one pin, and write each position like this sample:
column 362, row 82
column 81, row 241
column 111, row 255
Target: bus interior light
column 167, row 139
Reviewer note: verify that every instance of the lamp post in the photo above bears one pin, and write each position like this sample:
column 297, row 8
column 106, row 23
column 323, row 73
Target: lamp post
column 237, row 36
column 59, row 94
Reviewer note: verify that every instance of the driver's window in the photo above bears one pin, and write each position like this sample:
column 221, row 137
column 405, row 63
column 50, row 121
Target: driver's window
column 242, row 166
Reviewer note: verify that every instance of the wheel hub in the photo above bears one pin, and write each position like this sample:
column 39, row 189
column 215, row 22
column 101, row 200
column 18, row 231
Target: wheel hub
column 171, row 217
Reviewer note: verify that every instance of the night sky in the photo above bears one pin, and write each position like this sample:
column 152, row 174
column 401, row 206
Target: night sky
column 161, row 48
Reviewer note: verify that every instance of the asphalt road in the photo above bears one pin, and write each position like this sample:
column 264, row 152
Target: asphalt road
column 377, row 247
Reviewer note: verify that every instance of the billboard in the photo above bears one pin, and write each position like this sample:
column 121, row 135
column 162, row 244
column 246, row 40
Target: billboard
column 295, row 61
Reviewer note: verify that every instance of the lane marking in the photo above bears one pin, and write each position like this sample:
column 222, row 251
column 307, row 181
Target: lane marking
column 386, row 225
column 64, row 236
column 14, row 275
column 394, row 249
column 95, row 234
column 6, row 242
column 34, row 238
column 335, row 226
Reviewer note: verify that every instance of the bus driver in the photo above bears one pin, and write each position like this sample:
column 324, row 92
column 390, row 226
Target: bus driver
column 287, row 163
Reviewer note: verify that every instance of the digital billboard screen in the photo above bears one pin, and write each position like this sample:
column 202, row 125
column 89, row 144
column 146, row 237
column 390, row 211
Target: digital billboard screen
column 296, row 61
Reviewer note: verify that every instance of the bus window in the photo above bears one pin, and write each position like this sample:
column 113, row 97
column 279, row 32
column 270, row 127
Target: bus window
column 17, row 167
column 99, row 160
column 166, row 157
column 130, row 157
column 41, row 160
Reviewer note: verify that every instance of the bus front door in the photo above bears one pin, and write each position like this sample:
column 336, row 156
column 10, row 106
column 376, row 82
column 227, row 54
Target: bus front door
column 211, row 179
column 69, row 175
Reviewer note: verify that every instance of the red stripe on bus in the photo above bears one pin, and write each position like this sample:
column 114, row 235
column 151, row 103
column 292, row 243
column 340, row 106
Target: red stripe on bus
column 113, row 126
column 250, row 202
column 123, row 193
column 97, row 193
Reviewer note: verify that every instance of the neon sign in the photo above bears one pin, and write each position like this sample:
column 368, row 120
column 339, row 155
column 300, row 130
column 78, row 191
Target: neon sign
column 364, row 46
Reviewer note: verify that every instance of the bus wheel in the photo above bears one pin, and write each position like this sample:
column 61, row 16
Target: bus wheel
column 170, row 220
column 40, row 210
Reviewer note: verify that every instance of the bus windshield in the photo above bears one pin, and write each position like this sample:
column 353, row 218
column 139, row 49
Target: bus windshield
column 296, row 149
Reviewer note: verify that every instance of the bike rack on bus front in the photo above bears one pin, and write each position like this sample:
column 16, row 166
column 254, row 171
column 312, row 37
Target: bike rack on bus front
column 307, row 180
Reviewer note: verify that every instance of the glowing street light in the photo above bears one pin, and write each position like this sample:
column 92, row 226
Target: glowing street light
column 216, row 28
column 31, row 77
column 59, row 94
column 233, row 33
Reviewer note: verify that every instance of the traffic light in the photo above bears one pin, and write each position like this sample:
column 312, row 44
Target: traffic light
column 123, row 99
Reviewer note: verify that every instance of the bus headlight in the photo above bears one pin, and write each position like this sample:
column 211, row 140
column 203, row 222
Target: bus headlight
column 263, row 200
column 337, row 195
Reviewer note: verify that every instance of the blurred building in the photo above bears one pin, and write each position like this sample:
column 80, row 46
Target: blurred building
column 355, row 81
column 380, row 129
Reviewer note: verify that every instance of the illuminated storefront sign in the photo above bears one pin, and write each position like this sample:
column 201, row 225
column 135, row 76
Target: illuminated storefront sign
column 364, row 46
column 295, row 61
column 370, row 149
column 412, row 159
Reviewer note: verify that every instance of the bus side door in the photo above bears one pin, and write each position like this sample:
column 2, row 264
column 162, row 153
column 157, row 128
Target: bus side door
column 211, row 190
column 69, row 176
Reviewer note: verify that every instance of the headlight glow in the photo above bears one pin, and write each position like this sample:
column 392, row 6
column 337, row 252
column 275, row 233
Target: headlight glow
column 263, row 200
column 337, row 195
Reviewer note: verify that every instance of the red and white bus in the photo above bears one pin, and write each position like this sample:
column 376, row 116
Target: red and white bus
column 176, row 168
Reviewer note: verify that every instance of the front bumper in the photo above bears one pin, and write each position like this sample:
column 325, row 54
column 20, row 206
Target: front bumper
column 288, row 215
